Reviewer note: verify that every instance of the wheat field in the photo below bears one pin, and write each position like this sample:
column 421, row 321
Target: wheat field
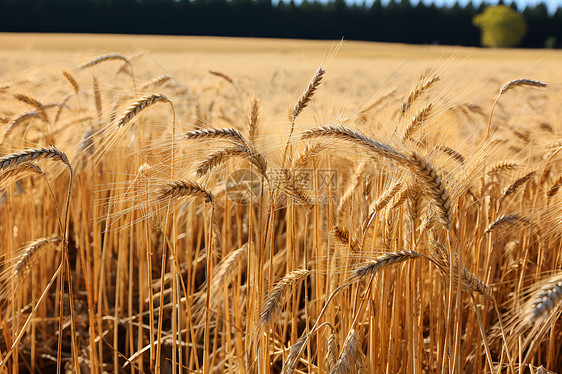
column 214, row 205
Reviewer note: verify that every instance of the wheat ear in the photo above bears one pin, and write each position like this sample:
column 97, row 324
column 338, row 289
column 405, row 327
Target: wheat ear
column 553, row 190
column 155, row 82
column 71, row 80
column 31, row 101
column 14, row 274
column 19, row 119
column 276, row 297
column 501, row 166
column 138, row 106
column 546, row 298
column 417, row 121
column 97, row 97
column 342, row 132
column 223, row 76
column 416, row 93
column 219, row 157
column 293, row 189
column 292, row 359
column 230, row 134
column 184, row 188
column 506, row 87
column 33, row 154
column 104, row 58
column 352, row 358
column 451, row 153
column 509, row 219
column 435, row 186
column 307, row 95
column 253, row 118
column 515, row 185
column 385, row 261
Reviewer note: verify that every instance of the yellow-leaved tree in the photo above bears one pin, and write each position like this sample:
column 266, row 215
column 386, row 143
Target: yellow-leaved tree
column 501, row 26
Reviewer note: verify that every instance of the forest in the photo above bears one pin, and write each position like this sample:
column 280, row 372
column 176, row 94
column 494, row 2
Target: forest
column 396, row 21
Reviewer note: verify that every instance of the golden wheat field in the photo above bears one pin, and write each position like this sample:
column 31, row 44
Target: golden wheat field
column 183, row 204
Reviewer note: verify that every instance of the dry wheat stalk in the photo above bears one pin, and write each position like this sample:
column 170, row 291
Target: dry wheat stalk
column 416, row 93
column 384, row 261
column 435, row 186
column 72, row 80
column 100, row 59
column 138, row 106
column 184, row 188
column 307, row 95
column 30, row 100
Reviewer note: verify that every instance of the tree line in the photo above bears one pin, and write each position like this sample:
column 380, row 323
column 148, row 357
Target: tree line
column 396, row 21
